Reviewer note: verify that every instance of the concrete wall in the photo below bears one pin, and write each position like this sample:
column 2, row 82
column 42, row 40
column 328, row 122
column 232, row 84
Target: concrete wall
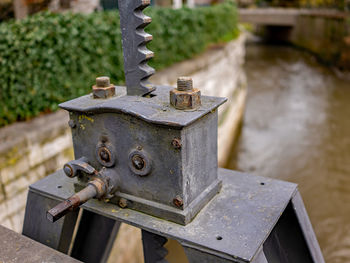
column 325, row 35
column 31, row 150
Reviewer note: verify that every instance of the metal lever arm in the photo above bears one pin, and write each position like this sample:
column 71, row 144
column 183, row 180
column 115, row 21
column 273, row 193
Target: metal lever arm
column 95, row 188
column 71, row 168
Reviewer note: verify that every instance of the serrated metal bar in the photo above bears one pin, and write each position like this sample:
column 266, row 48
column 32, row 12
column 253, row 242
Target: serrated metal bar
column 134, row 40
column 153, row 247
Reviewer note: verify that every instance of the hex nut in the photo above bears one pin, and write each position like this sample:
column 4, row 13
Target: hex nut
column 103, row 93
column 103, row 88
column 185, row 100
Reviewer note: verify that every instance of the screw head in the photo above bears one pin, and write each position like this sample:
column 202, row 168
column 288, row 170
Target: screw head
column 178, row 201
column 103, row 82
column 184, row 83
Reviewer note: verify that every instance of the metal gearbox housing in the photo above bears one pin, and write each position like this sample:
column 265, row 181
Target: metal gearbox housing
column 134, row 137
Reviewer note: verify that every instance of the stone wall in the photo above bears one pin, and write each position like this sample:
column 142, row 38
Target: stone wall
column 28, row 152
column 31, row 150
column 326, row 35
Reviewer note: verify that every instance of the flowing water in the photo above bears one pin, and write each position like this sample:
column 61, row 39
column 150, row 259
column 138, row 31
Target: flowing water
column 297, row 128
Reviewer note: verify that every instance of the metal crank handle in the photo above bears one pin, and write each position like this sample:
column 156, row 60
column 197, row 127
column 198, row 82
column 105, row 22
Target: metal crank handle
column 95, row 188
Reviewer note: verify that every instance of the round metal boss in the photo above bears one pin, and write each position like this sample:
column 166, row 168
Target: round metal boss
column 105, row 155
column 139, row 163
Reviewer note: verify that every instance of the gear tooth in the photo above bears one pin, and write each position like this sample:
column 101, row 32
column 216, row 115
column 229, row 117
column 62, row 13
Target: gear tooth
column 143, row 37
column 145, row 54
column 142, row 19
column 146, row 70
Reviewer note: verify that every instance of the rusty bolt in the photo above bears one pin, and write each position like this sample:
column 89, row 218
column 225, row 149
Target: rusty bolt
column 185, row 97
column 123, row 202
column 184, row 83
column 103, row 88
column 178, row 201
column 103, row 82
column 176, row 143
column 105, row 154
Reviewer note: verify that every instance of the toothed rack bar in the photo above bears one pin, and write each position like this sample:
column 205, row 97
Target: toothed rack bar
column 134, row 39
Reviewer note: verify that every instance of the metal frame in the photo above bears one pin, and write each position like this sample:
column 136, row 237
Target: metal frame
column 252, row 219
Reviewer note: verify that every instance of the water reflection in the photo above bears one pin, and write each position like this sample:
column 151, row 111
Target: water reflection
column 297, row 128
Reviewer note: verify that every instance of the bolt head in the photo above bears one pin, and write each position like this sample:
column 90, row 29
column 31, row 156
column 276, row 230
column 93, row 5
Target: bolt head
column 185, row 100
column 123, row 202
column 103, row 88
column 178, row 201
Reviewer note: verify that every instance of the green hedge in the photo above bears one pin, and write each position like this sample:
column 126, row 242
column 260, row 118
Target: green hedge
column 49, row 58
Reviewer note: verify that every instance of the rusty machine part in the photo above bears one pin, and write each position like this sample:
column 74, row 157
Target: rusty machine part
column 185, row 97
column 151, row 161
column 113, row 144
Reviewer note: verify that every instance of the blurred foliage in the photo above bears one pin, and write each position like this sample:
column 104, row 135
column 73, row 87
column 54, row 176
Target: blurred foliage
column 48, row 58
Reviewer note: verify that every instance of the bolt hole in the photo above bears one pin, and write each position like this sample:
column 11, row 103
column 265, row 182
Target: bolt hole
column 262, row 183
column 59, row 186
column 219, row 238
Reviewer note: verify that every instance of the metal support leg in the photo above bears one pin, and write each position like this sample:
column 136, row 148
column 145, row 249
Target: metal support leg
column 306, row 228
column 286, row 242
column 95, row 237
column 153, row 249
column 57, row 236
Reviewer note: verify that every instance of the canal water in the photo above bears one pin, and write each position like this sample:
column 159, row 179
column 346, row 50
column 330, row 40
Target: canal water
column 297, row 128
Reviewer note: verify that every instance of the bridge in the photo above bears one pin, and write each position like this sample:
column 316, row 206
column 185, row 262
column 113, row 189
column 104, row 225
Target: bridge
column 283, row 16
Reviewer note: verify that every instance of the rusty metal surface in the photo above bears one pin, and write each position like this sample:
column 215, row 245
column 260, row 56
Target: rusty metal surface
column 183, row 100
column 155, row 109
column 233, row 225
column 16, row 248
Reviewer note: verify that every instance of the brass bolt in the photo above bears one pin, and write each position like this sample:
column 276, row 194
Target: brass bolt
column 184, row 83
